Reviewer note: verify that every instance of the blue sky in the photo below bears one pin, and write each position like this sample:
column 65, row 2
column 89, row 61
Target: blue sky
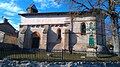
column 10, row 9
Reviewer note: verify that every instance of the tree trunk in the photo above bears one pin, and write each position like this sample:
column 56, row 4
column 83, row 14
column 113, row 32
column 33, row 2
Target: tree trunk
column 115, row 37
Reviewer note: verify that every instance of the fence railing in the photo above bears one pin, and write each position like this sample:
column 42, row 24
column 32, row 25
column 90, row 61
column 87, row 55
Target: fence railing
column 16, row 53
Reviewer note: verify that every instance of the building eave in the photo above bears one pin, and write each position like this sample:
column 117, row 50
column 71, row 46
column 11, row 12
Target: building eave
column 76, row 13
column 44, row 13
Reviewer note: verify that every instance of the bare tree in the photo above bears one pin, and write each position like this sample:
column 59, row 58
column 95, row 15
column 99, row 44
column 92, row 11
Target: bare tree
column 110, row 8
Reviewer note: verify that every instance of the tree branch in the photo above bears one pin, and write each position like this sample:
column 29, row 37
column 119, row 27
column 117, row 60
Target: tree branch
column 80, row 4
column 104, row 4
column 90, row 4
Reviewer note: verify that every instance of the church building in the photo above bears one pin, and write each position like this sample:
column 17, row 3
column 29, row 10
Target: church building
column 57, row 31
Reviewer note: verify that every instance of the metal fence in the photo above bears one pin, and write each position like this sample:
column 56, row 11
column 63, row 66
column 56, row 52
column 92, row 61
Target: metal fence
column 15, row 53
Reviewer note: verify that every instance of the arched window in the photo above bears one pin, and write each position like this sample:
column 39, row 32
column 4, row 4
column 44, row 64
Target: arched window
column 83, row 28
column 58, row 34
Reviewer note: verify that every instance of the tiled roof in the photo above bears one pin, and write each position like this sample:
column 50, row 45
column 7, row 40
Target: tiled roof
column 7, row 28
column 47, row 13
column 65, row 13
column 32, row 6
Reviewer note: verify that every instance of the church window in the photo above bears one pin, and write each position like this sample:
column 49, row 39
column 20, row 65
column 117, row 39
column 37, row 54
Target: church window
column 33, row 26
column 59, row 34
column 61, row 25
column 56, row 25
column 52, row 25
column 65, row 25
column 83, row 28
column 37, row 26
column 42, row 26
column 91, row 40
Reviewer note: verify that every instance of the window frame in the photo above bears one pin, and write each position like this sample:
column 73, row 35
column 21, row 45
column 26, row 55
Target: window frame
column 83, row 28
column 59, row 37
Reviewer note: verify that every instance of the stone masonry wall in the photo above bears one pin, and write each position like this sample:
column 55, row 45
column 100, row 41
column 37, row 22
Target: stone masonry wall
column 10, row 39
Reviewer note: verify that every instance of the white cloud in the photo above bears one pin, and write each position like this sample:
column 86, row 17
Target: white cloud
column 10, row 6
column 1, row 21
column 44, row 5
column 10, row 18
column 21, row 12
column 16, row 26
column 38, row 0
column 55, row 4
column 47, row 3
column 9, row 13
column 12, row 0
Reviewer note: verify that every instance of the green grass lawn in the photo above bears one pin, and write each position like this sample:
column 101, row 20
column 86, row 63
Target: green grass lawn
column 57, row 56
column 17, row 53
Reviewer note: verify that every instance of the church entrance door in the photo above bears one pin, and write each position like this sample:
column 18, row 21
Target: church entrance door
column 35, row 40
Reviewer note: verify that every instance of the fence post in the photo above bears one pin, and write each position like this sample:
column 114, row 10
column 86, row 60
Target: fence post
column 62, row 54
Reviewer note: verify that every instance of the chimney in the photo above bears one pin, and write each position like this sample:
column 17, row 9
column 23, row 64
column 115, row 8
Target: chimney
column 5, row 20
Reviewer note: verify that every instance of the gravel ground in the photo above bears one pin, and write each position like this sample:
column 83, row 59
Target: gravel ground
column 26, row 63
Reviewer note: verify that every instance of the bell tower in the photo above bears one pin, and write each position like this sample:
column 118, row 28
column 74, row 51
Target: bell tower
column 32, row 9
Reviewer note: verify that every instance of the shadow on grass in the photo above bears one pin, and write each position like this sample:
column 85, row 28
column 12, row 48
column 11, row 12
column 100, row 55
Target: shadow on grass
column 102, row 55
column 13, row 51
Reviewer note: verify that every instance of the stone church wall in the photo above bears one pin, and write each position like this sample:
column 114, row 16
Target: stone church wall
column 74, row 39
column 8, row 38
column 51, row 37
column 81, row 42
column 53, row 43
